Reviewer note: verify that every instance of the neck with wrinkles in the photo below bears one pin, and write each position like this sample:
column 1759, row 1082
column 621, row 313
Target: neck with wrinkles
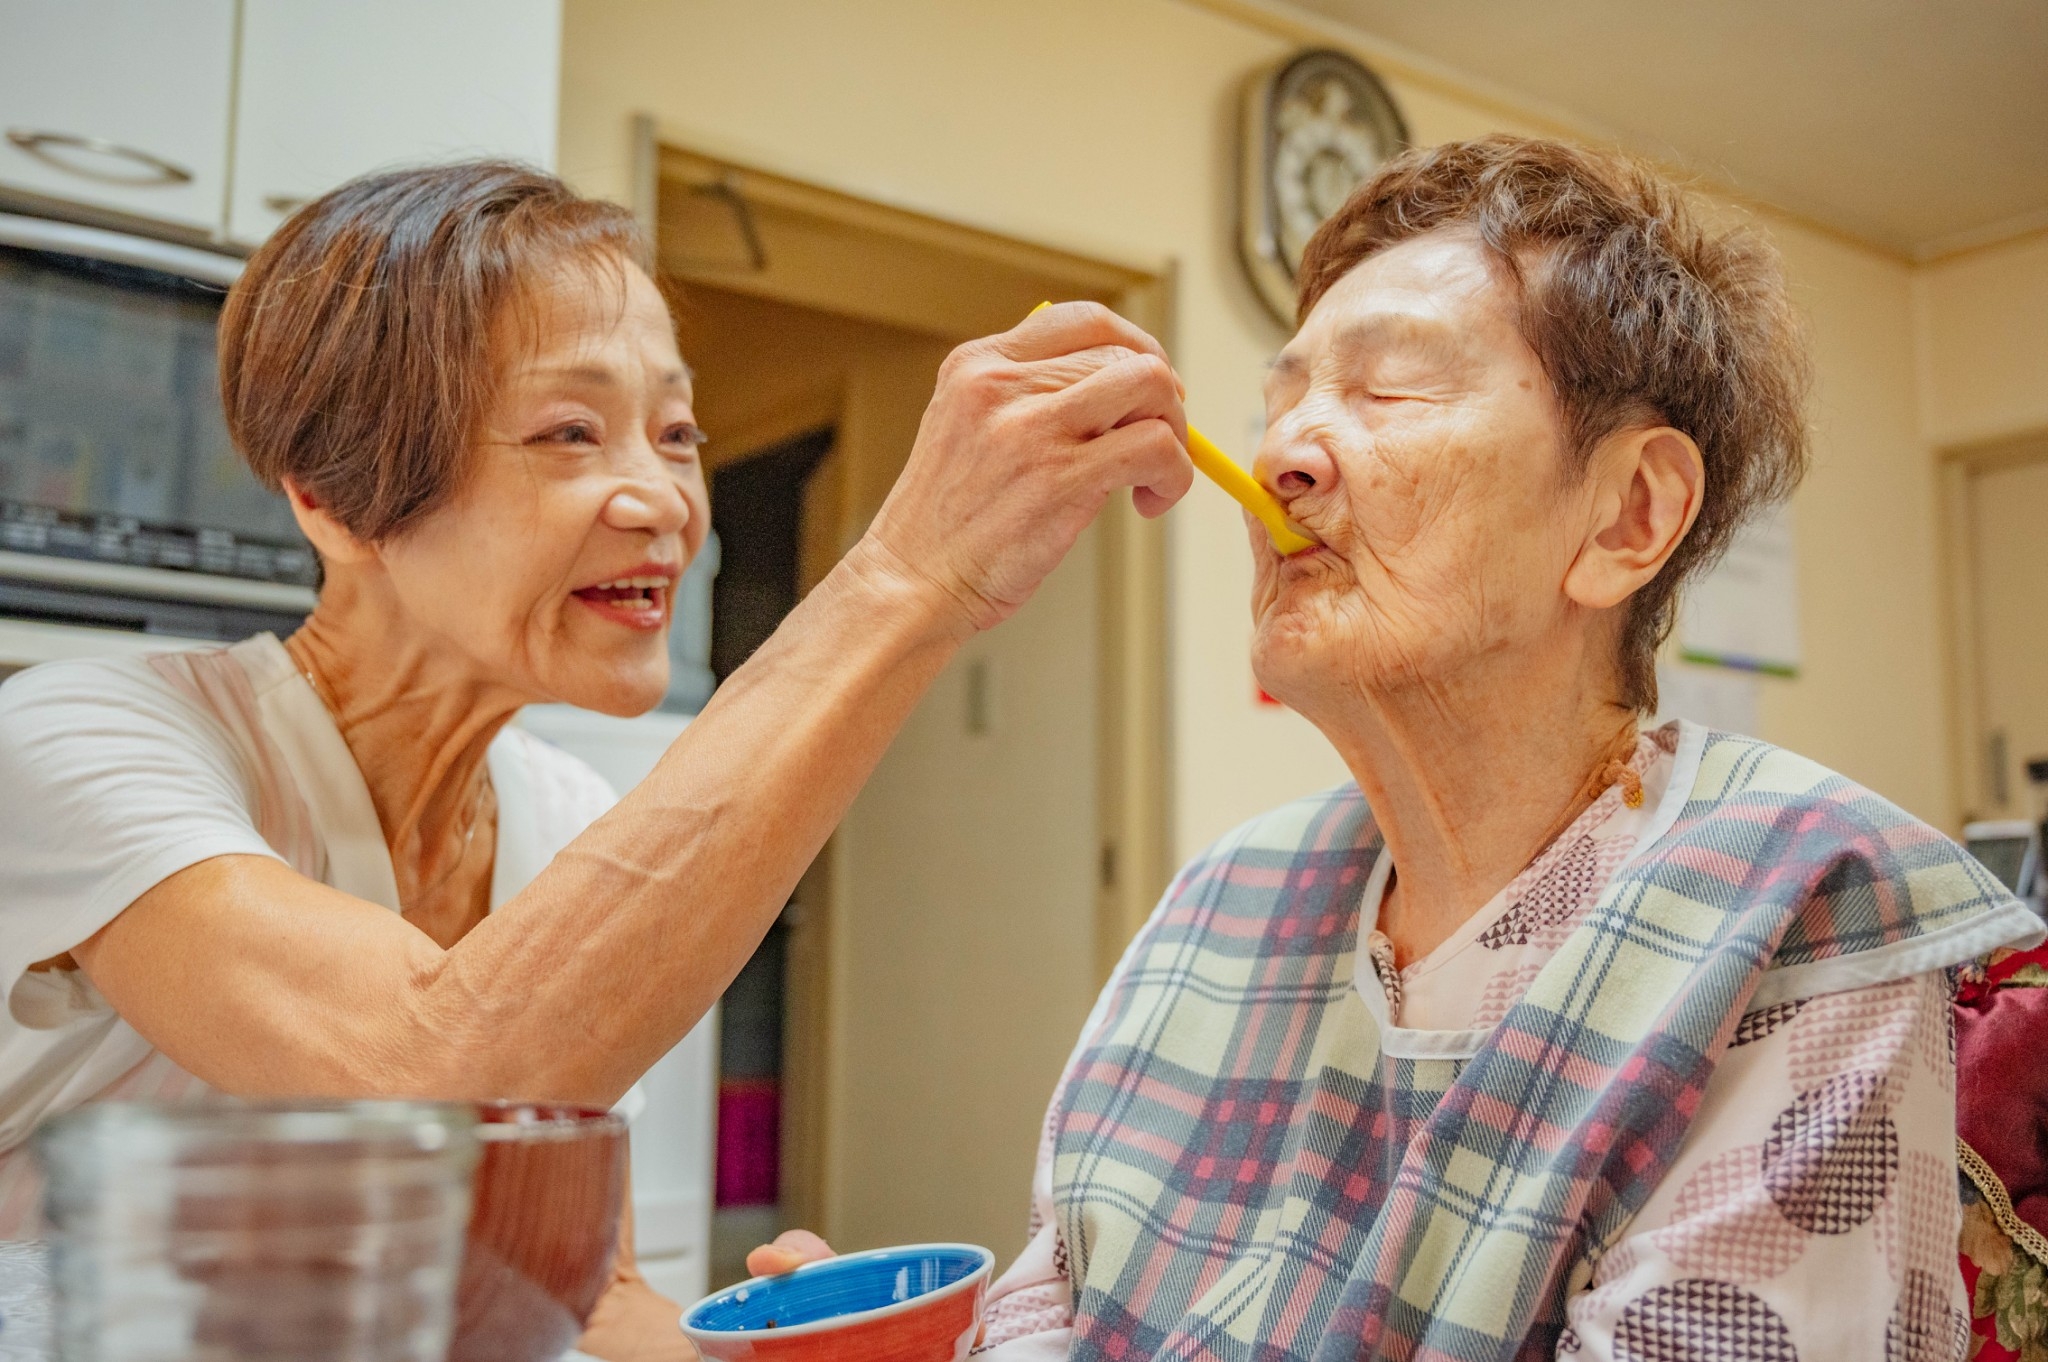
column 419, row 719
column 1471, row 776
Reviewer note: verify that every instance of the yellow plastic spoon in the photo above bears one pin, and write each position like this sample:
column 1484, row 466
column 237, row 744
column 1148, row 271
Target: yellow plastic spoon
column 1248, row 492
column 1244, row 489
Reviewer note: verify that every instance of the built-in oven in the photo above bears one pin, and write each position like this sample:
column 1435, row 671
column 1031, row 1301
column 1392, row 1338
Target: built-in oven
column 124, row 509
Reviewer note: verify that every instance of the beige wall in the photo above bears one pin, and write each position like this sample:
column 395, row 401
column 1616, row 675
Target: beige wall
column 1871, row 698
column 1107, row 126
column 1984, row 343
column 1982, row 330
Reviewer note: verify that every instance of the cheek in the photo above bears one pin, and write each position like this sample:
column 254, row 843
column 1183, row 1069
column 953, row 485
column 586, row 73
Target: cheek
column 478, row 584
column 490, row 565
column 1456, row 500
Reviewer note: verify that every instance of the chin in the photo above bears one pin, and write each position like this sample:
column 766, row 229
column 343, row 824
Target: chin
column 626, row 690
column 1284, row 657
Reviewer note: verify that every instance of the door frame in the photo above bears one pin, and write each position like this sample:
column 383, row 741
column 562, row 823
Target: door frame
column 1133, row 779
column 1970, row 767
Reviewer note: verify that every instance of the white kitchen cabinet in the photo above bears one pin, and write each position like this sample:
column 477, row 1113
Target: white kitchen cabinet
column 333, row 89
column 119, row 104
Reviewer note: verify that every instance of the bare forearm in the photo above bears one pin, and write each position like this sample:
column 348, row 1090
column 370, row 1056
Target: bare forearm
column 633, row 931
column 261, row 981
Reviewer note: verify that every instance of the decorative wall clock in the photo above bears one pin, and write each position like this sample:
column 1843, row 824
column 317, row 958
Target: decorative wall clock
column 1315, row 128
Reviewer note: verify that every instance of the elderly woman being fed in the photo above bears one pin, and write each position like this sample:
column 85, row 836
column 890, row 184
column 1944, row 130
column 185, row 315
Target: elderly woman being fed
column 1548, row 1035
column 326, row 866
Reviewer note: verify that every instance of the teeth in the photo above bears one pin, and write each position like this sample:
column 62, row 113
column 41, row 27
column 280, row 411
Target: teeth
column 632, row 583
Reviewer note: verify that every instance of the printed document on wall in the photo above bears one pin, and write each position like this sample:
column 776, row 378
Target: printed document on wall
column 1745, row 613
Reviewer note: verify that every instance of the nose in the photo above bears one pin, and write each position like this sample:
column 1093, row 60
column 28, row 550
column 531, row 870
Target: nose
column 1294, row 458
column 646, row 497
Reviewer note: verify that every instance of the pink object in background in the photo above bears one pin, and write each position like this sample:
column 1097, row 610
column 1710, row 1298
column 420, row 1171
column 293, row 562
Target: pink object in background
column 749, row 1141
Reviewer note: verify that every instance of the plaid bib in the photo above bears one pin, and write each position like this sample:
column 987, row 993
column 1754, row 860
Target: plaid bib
column 1240, row 1172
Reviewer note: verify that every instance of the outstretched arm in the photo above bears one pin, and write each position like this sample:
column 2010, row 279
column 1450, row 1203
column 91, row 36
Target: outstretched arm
column 261, row 981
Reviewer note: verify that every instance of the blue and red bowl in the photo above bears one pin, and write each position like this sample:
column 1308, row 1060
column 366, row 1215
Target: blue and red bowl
column 920, row 1303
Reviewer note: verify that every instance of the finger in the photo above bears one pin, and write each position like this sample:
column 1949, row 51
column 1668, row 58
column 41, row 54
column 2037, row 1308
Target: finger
column 791, row 1250
column 769, row 1261
column 803, row 1242
column 1147, row 457
column 1064, row 371
column 1067, row 327
column 1139, row 388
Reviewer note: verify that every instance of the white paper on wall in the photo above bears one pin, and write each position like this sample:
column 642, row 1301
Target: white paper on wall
column 1745, row 613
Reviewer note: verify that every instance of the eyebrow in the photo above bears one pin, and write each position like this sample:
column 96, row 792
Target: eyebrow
column 1393, row 328
column 1285, row 365
column 598, row 376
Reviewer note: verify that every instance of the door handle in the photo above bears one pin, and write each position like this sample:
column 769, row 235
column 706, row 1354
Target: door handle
column 143, row 171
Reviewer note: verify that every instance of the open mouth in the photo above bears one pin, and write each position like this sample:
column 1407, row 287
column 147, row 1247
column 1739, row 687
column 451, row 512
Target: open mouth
column 640, row 602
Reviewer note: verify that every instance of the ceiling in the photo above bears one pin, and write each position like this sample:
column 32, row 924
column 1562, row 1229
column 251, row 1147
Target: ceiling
column 1919, row 127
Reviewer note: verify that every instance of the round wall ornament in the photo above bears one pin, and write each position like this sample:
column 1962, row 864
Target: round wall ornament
column 1316, row 126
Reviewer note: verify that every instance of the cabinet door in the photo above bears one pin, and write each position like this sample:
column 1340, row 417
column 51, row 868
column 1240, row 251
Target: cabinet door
column 120, row 104
column 330, row 90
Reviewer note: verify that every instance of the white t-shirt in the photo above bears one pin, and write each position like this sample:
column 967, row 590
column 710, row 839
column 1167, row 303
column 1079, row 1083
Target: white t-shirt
column 115, row 774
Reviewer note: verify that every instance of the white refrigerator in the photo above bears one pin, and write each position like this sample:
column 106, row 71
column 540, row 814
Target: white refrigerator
column 673, row 1135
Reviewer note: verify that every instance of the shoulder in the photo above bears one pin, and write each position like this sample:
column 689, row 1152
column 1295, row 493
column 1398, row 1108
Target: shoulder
column 1857, row 877
column 81, row 678
column 1332, row 820
column 1302, row 860
column 98, row 699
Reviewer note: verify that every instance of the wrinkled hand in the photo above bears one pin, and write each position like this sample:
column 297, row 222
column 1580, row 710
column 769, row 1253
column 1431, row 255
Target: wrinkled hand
column 1027, row 435
column 790, row 1251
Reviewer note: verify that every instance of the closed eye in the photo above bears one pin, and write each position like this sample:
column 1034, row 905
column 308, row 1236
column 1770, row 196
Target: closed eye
column 684, row 438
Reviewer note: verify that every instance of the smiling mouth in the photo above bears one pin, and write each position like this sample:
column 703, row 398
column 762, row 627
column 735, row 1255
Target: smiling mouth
column 630, row 600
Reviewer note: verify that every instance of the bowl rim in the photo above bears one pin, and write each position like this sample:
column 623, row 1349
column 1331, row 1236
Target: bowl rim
column 834, row 1322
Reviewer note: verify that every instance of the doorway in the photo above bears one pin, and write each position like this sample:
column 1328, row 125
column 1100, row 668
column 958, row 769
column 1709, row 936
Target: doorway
column 890, row 1050
column 1998, row 509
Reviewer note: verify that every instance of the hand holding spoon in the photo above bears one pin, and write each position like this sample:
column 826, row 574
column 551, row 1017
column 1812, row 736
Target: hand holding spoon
column 1244, row 489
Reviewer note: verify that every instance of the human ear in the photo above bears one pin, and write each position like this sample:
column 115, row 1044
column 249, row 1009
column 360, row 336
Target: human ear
column 1648, row 487
column 331, row 539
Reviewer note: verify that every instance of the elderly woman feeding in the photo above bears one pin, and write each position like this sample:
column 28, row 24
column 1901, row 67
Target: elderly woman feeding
column 1548, row 1035
column 326, row 865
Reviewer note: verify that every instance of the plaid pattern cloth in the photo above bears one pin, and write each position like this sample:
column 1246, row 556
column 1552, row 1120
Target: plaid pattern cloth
column 1239, row 1172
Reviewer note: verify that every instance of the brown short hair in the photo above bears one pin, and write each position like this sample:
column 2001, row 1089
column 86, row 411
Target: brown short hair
column 355, row 349
column 1639, row 313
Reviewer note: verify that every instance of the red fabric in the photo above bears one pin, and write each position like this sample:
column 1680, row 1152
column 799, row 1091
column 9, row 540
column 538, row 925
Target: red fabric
column 1984, row 1344
column 2002, row 1088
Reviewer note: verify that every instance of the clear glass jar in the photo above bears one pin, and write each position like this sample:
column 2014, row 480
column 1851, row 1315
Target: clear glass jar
column 314, row 1232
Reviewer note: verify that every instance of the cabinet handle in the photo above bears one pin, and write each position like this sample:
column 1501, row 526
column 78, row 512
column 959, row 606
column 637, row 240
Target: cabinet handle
column 285, row 204
column 148, row 171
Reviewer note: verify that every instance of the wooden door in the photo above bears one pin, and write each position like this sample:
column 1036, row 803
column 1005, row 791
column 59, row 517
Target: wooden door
column 948, row 943
column 2008, row 545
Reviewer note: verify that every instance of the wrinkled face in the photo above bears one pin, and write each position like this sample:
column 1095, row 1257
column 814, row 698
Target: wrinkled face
column 553, row 569
column 1411, row 428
